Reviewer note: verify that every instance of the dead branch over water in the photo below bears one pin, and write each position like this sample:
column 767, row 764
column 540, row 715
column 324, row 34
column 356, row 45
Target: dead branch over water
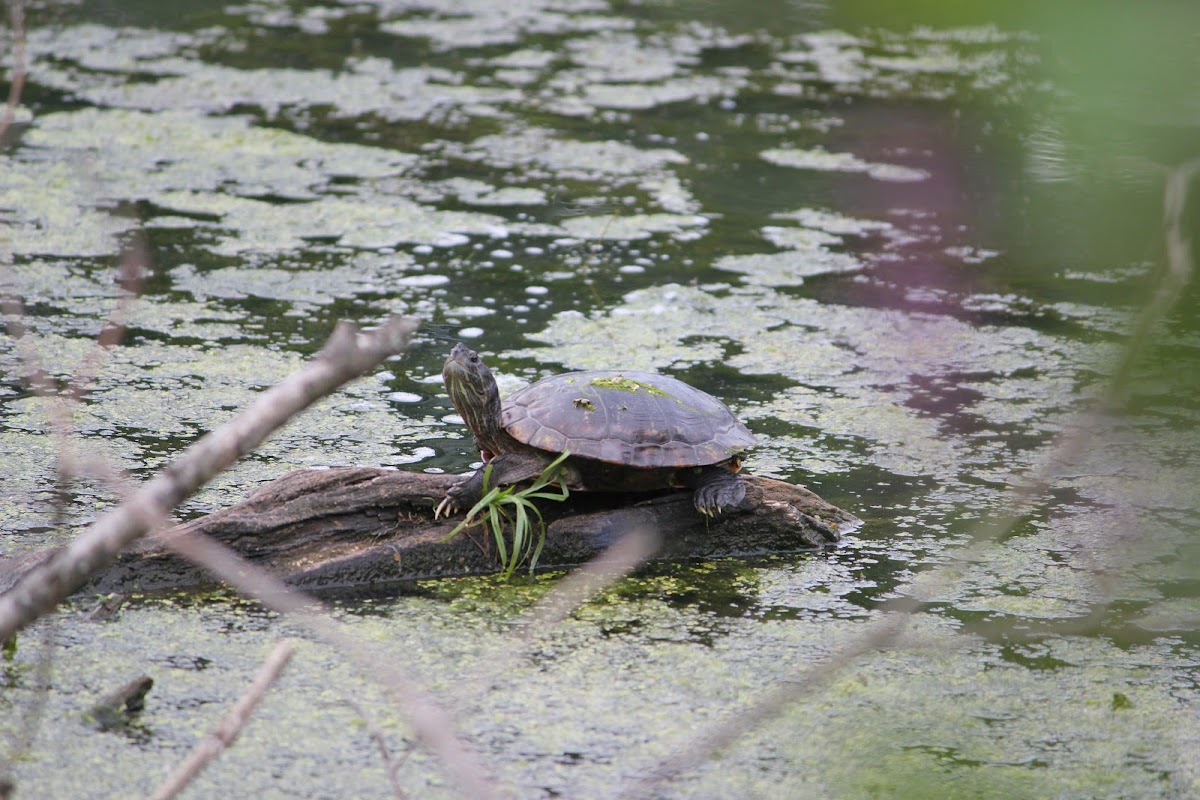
column 226, row 733
column 429, row 722
column 391, row 765
column 47, row 582
column 345, row 356
column 895, row 614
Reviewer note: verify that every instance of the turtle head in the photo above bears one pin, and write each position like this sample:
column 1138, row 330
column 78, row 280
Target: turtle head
column 475, row 395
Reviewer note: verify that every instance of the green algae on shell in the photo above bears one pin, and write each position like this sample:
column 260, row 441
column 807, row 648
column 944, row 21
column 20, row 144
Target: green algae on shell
column 623, row 384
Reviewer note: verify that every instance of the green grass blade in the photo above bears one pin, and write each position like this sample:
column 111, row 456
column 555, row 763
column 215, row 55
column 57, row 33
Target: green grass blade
column 537, row 552
column 497, row 525
column 520, row 534
column 507, row 508
column 561, row 494
column 550, row 473
column 488, row 499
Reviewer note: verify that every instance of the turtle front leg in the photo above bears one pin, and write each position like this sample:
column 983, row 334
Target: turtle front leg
column 717, row 490
column 464, row 494
column 505, row 470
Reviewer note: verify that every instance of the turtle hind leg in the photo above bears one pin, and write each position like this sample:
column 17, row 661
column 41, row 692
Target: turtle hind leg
column 716, row 489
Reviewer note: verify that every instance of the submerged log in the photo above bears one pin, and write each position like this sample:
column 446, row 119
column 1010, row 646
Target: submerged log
column 357, row 530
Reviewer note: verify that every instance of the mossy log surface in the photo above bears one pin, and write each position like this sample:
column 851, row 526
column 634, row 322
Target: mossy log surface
column 362, row 530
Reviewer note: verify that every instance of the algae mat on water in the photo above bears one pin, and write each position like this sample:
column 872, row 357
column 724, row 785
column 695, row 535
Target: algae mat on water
column 887, row 242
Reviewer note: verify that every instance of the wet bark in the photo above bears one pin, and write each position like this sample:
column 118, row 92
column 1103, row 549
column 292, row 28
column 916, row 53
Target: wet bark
column 362, row 530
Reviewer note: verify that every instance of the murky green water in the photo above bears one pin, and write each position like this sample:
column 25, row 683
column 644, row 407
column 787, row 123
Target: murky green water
column 905, row 249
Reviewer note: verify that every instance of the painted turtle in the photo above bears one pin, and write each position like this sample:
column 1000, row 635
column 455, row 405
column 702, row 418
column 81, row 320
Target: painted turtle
column 625, row 431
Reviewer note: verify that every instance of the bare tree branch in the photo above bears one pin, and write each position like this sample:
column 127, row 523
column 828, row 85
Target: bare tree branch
column 624, row 556
column 1064, row 450
column 345, row 356
column 390, row 765
column 211, row 746
column 719, row 736
column 131, row 275
column 430, row 724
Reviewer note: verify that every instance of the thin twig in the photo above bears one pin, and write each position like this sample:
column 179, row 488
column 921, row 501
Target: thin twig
column 1065, row 449
column 148, row 509
column 430, row 723
column 32, row 714
column 70, row 465
column 226, row 733
column 390, row 765
column 623, row 557
column 131, row 275
column 16, row 16
column 432, row 726
column 345, row 356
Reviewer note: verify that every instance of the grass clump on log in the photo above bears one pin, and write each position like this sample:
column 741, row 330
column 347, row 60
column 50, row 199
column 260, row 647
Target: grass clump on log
column 512, row 508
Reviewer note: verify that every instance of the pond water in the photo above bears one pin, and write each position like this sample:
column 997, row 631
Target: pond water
column 907, row 251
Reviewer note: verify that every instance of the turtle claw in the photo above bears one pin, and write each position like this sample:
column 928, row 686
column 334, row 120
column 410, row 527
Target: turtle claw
column 718, row 490
column 451, row 504
column 448, row 507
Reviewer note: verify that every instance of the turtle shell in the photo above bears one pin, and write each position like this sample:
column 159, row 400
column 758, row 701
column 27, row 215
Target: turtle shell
column 636, row 419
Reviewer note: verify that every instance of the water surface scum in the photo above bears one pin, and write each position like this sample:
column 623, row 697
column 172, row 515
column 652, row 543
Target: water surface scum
column 881, row 245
